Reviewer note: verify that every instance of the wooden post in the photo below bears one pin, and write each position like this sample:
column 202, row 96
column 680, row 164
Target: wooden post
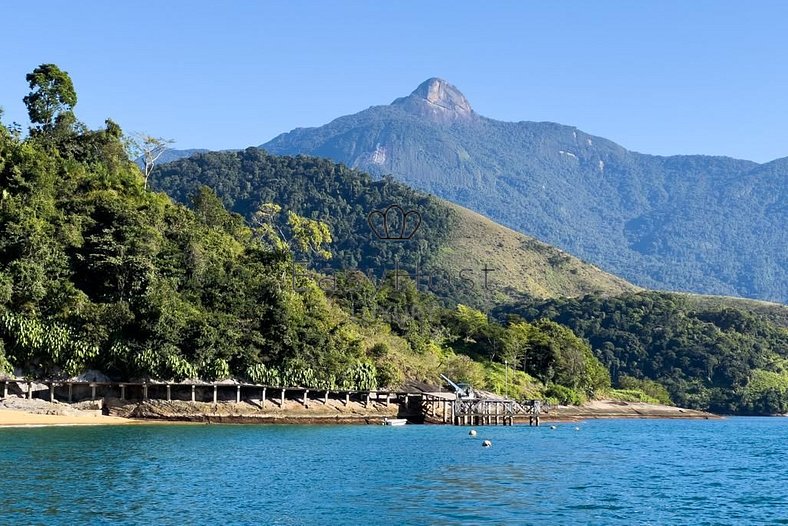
column 262, row 399
column 306, row 394
column 215, row 394
column 388, row 399
column 282, row 403
column 29, row 390
column 367, row 403
column 51, row 392
column 238, row 395
column 145, row 391
column 169, row 393
column 122, row 391
column 325, row 400
column 92, row 392
column 5, row 389
column 70, row 392
column 347, row 398
column 194, row 397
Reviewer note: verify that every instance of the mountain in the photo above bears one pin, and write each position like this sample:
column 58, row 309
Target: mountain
column 712, row 225
column 450, row 243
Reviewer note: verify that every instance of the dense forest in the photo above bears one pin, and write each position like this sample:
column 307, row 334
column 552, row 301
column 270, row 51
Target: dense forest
column 716, row 357
column 322, row 190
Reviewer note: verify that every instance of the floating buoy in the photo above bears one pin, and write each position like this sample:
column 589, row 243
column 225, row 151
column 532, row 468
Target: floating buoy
column 577, row 429
column 552, row 427
column 486, row 443
column 472, row 433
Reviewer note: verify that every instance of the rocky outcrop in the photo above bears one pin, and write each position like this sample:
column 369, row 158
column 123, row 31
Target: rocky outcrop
column 437, row 100
column 252, row 412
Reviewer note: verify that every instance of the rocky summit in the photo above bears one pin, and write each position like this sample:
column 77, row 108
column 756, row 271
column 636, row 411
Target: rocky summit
column 438, row 100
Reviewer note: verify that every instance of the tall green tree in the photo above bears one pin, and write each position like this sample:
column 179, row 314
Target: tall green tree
column 51, row 100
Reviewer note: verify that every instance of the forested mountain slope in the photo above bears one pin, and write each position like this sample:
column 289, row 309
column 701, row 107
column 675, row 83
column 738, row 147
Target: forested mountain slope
column 703, row 224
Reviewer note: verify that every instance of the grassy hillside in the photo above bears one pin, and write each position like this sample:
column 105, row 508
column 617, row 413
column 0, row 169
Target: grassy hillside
column 523, row 265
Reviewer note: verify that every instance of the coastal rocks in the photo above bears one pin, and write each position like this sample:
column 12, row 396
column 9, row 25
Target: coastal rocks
column 251, row 411
column 619, row 409
column 41, row 407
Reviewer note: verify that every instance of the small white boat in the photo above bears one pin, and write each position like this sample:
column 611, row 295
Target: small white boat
column 394, row 421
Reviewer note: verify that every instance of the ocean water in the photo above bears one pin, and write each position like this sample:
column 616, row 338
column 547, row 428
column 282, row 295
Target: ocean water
column 731, row 471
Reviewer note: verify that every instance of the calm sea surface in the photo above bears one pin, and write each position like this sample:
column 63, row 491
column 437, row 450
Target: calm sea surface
column 732, row 471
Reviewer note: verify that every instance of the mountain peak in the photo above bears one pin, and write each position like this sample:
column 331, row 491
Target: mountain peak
column 437, row 99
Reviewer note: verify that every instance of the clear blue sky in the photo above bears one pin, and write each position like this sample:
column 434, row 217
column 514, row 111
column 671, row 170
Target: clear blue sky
column 659, row 77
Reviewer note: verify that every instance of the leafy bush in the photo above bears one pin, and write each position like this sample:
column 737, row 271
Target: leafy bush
column 563, row 395
column 631, row 395
column 650, row 388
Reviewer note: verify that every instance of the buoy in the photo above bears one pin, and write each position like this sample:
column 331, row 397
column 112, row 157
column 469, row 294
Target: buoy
column 472, row 433
column 577, row 429
column 486, row 443
column 552, row 427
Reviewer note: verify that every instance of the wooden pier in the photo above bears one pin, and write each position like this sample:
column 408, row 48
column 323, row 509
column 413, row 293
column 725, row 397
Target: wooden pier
column 447, row 408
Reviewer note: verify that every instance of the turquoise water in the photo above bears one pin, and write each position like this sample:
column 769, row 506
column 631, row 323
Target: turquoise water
column 732, row 471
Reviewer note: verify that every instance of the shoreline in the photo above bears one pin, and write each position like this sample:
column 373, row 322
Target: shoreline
column 17, row 412
column 607, row 409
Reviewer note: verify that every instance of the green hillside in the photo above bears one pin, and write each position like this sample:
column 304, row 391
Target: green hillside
column 704, row 351
column 712, row 225
column 449, row 238
column 99, row 272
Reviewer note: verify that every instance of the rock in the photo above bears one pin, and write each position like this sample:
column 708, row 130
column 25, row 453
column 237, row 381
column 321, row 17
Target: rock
column 438, row 100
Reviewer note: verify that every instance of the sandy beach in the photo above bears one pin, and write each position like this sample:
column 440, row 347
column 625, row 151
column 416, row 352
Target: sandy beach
column 16, row 417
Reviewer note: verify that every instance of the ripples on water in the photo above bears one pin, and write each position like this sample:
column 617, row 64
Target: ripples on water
column 732, row 471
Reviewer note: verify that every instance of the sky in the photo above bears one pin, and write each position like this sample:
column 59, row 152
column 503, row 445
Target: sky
column 662, row 77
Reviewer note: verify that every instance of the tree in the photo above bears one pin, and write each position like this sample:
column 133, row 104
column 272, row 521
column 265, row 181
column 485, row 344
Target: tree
column 148, row 149
column 310, row 236
column 516, row 341
column 51, row 99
